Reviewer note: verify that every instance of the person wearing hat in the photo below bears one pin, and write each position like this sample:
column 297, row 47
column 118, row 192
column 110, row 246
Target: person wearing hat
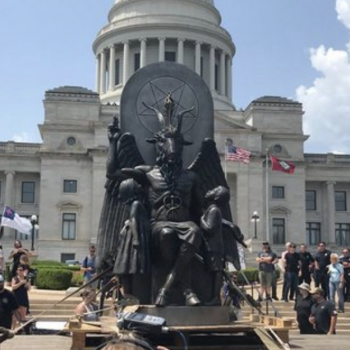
column 323, row 315
column 302, row 308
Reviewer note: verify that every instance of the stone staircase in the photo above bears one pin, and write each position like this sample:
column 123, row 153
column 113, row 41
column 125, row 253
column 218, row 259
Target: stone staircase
column 286, row 311
column 45, row 300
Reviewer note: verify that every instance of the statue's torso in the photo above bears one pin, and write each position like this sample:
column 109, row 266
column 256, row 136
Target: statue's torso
column 167, row 204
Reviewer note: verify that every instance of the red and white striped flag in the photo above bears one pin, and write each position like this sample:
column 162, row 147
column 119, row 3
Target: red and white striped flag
column 236, row 154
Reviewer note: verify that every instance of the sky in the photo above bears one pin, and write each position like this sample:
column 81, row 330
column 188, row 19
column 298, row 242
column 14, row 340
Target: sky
column 297, row 49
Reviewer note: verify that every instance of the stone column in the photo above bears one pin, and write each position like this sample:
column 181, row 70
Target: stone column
column 229, row 77
column 180, row 50
column 212, row 68
column 143, row 52
column 9, row 197
column 198, row 58
column 111, row 68
column 103, row 73
column 331, row 212
column 222, row 73
column 126, row 61
column 98, row 77
column 161, row 57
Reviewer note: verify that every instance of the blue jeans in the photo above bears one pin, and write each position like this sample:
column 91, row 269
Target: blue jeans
column 334, row 287
column 292, row 280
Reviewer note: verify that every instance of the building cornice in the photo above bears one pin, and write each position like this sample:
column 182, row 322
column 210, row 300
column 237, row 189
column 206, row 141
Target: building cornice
column 179, row 30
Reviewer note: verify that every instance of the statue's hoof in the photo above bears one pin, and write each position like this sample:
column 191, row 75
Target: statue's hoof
column 162, row 298
column 191, row 298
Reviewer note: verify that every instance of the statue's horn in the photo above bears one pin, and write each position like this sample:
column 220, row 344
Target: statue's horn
column 180, row 116
column 160, row 116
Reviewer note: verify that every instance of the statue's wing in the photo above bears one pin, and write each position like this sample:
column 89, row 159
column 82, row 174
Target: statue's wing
column 207, row 166
column 123, row 154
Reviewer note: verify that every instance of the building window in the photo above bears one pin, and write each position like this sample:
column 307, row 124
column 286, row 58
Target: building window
column 278, row 231
column 71, row 141
column 278, row 192
column 310, row 200
column 117, row 71
column 136, row 61
column 313, row 233
column 340, row 201
column 342, row 234
column 28, row 192
column 70, row 186
column 67, row 257
column 68, row 226
column 170, row 56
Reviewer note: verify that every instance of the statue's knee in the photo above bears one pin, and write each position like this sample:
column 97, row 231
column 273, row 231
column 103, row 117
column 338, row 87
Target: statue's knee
column 165, row 232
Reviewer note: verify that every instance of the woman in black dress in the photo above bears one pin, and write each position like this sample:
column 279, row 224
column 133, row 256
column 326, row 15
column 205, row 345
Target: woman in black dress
column 20, row 287
column 302, row 308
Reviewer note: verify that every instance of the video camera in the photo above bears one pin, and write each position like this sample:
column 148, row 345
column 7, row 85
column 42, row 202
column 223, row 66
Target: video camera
column 32, row 273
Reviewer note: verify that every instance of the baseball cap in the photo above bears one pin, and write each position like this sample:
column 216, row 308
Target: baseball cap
column 2, row 280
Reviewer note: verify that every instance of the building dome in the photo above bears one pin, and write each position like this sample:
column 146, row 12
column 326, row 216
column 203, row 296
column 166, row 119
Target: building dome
column 140, row 32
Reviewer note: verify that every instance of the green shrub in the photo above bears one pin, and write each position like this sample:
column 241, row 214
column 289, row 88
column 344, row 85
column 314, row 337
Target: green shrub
column 251, row 273
column 77, row 279
column 48, row 263
column 56, row 279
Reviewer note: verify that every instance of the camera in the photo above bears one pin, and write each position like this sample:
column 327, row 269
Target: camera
column 32, row 273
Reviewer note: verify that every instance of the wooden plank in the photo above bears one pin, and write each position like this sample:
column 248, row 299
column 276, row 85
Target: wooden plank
column 267, row 340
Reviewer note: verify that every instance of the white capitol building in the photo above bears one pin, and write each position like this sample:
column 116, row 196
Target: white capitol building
column 61, row 180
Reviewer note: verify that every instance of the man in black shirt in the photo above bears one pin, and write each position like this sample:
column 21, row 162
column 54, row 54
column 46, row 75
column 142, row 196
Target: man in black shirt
column 8, row 306
column 292, row 266
column 266, row 259
column 345, row 261
column 307, row 261
column 322, row 260
column 323, row 315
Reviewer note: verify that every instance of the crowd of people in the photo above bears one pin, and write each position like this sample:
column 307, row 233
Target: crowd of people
column 316, row 309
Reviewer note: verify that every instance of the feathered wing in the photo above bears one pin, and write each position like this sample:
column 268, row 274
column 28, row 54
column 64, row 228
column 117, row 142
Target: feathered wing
column 207, row 166
column 123, row 153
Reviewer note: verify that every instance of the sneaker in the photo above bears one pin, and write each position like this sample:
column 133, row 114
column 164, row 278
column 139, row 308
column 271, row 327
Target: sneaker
column 275, row 298
column 286, row 301
column 340, row 311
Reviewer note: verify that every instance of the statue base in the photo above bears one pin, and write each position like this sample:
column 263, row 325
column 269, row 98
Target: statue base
column 189, row 316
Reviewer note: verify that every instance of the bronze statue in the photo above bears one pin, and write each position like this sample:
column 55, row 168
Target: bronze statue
column 174, row 202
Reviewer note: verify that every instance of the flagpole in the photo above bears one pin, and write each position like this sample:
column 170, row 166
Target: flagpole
column 267, row 196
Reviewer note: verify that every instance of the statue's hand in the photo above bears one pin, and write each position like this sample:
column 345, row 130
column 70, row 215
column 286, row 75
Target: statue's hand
column 114, row 130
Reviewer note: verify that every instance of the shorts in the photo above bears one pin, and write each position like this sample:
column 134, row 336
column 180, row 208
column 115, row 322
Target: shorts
column 265, row 278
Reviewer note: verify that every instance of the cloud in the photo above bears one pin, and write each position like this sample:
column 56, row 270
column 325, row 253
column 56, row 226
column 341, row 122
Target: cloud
column 327, row 101
column 23, row 137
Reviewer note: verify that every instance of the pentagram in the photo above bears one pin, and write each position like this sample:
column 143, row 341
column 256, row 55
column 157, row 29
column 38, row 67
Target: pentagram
column 154, row 93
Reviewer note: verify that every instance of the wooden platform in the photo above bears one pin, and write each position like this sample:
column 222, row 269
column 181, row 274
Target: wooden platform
column 231, row 336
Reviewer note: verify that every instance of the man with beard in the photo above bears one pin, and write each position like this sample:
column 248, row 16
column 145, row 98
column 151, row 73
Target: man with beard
column 8, row 306
column 323, row 315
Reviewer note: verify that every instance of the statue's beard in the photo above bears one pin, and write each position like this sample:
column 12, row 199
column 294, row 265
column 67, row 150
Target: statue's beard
column 171, row 172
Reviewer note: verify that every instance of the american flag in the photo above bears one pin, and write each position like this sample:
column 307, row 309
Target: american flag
column 237, row 154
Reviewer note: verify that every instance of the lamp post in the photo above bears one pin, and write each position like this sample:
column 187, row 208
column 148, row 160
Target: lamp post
column 34, row 221
column 255, row 219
